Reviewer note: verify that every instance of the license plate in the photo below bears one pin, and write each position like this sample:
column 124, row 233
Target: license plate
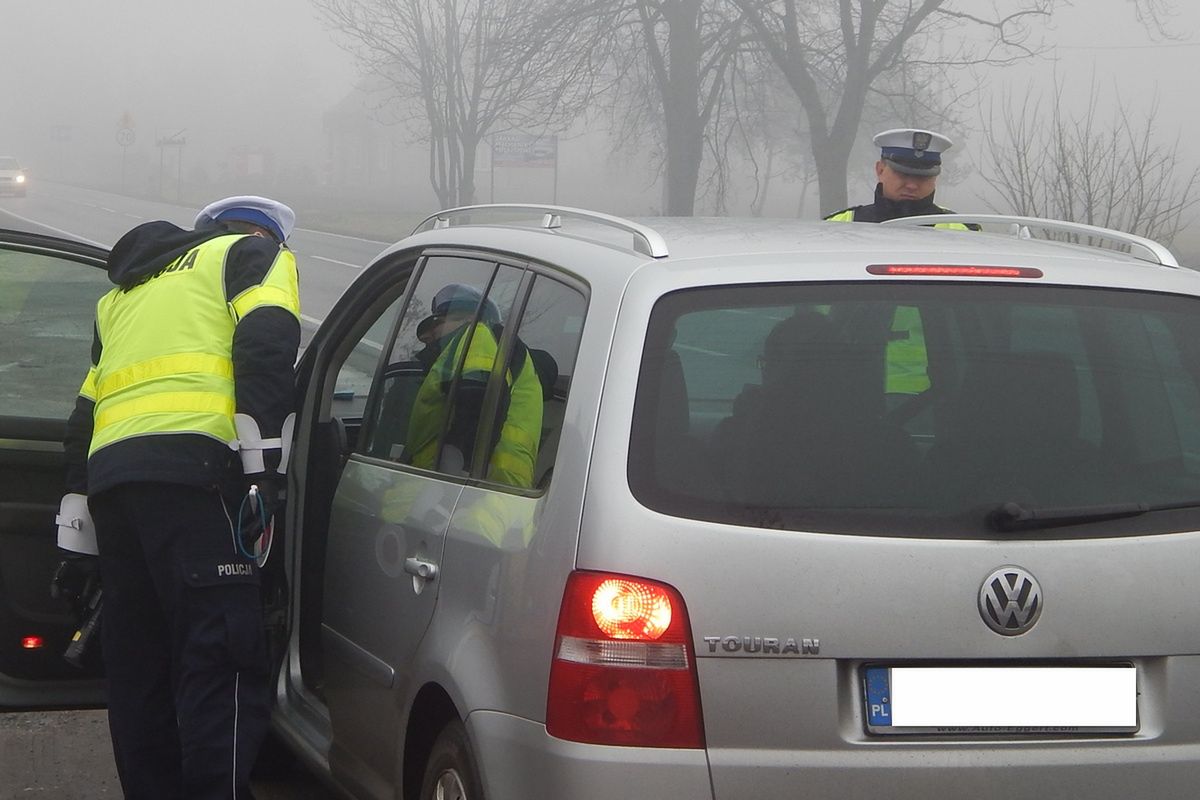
column 1033, row 699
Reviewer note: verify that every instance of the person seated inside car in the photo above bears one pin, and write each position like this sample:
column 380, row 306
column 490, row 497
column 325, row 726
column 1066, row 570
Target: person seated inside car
column 465, row 329
column 812, row 433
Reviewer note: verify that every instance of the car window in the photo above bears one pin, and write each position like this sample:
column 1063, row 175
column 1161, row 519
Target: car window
column 754, row 407
column 430, row 392
column 549, row 334
column 47, row 308
column 357, row 372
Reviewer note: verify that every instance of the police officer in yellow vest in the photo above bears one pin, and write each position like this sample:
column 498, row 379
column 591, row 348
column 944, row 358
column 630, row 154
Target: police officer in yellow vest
column 909, row 162
column 465, row 328
column 176, row 452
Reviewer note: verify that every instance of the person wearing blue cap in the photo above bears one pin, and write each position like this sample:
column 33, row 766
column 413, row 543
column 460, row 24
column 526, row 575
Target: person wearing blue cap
column 176, row 453
column 464, row 327
column 909, row 162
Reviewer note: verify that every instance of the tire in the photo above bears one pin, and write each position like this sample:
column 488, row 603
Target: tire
column 450, row 772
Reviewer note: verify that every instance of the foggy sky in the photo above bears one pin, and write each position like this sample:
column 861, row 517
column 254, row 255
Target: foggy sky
column 261, row 73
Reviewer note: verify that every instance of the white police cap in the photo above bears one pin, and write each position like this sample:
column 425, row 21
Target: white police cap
column 913, row 151
column 262, row 211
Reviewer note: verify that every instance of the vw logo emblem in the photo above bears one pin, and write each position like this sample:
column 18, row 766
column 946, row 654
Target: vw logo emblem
column 1010, row 601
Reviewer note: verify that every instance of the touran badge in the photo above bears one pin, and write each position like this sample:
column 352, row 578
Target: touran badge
column 1010, row 601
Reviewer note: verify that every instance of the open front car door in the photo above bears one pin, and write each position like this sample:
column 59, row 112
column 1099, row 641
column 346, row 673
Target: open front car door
column 48, row 292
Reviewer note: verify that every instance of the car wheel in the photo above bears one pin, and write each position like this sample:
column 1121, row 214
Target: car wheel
column 450, row 772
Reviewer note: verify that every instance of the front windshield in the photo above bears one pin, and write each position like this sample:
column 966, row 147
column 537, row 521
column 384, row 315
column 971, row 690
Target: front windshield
column 916, row 408
column 9, row 163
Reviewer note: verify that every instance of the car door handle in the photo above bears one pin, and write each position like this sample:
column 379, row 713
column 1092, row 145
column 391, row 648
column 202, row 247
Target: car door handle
column 420, row 568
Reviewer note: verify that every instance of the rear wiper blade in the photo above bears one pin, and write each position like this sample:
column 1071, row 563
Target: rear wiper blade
column 1013, row 516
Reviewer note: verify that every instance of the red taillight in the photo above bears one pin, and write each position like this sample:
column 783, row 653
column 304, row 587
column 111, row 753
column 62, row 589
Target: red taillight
column 951, row 270
column 623, row 671
column 31, row 642
column 625, row 609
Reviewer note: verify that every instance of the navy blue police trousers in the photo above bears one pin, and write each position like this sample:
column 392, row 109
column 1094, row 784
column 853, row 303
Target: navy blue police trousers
column 183, row 645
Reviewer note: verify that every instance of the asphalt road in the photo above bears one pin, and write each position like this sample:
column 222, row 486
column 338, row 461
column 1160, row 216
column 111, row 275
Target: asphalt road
column 67, row 755
column 327, row 262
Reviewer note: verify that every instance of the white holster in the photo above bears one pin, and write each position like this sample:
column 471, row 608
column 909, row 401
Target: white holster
column 250, row 444
column 76, row 532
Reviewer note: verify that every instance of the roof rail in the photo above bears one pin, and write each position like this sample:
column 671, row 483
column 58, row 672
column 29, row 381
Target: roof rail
column 646, row 239
column 1019, row 227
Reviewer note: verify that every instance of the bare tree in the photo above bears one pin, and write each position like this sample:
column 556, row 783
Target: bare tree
column 463, row 69
column 1155, row 15
column 835, row 55
column 1115, row 173
column 671, row 60
column 768, row 128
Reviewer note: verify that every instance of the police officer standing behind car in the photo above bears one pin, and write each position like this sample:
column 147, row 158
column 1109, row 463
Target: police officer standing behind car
column 909, row 162
column 192, row 367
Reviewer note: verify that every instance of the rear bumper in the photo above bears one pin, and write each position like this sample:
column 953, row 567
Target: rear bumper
column 800, row 731
column 996, row 770
column 519, row 760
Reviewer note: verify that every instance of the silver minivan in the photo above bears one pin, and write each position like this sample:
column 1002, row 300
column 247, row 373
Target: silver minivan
column 811, row 510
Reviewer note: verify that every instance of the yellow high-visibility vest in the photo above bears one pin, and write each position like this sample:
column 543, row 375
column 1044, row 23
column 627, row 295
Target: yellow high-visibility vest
column 848, row 216
column 515, row 454
column 166, row 364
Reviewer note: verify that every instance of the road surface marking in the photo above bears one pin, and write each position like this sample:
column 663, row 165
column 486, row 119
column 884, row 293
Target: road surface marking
column 342, row 236
column 334, row 261
column 701, row 350
column 83, row 239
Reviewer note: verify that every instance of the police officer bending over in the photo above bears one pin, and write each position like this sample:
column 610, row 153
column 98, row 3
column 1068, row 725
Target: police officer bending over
column 176, row 449
column 909, row 162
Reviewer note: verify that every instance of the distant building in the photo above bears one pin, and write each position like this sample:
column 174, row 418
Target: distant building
column 362, row 150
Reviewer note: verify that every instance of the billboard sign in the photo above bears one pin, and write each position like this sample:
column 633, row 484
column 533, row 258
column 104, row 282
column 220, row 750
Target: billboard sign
column 514, row 149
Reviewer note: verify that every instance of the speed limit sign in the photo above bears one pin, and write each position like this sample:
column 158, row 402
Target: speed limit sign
column 125, row 137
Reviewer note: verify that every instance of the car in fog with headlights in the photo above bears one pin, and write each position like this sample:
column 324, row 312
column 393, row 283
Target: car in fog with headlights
column 13, row 179
column 807, row 509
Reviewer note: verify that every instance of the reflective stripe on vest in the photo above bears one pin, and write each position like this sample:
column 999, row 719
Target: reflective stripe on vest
column 166, row 364
column 280, row 288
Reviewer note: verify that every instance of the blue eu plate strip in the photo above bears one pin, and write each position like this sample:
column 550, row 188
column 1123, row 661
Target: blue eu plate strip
column 879, row 696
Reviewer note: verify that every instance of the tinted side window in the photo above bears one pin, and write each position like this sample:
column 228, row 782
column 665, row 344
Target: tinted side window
column 543, row 363
column 47, row 308
column 431, row 389
column 358, row 370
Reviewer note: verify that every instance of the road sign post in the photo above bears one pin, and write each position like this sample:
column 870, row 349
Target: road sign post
column 176, row 140
column 125, row 138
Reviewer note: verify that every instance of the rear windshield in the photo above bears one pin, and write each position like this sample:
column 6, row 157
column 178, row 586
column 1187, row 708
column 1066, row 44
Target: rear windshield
column 922, row 409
